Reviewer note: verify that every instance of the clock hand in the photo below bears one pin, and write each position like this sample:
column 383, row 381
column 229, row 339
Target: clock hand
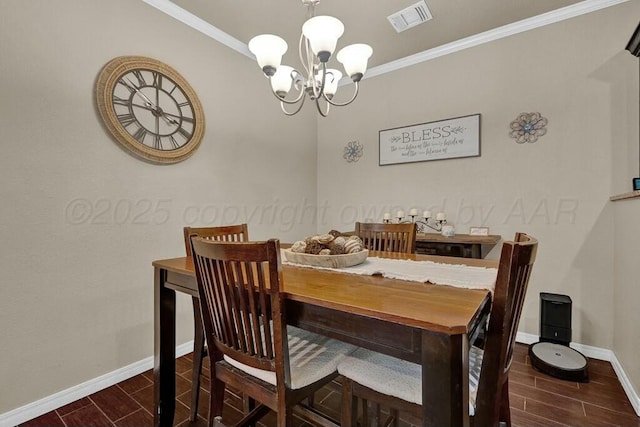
column 169, row 119
column 159, row 112
column 147, row 101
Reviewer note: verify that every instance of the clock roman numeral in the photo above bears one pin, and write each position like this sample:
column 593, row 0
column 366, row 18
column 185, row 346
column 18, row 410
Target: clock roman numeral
column 173, row 141
column 157, row 79
column 184, row 133
column 140, row 77
column 126, row 119
column 127, row 85
column 184, row 104
column 157, row 144
column 120, row 101
column 140, row 134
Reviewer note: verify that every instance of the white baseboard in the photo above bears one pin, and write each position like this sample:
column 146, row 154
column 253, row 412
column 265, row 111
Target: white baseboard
column 632, row 393
column 587, row 350
column 600, row 354
column 64, row 397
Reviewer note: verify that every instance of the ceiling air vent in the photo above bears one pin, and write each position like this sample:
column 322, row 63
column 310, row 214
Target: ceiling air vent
column 410, row 17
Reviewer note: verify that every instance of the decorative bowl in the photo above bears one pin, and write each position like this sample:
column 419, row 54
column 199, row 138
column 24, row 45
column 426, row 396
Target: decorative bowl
column 330, row 261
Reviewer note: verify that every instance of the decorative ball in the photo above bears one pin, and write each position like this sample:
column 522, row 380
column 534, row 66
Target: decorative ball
column 331, row 243
column 352, row 246
column 339, row 241
column 335, row 233
column 325, row 238
column 313, row 247
column 299, row 246
column 337, row 249
column 356, row 238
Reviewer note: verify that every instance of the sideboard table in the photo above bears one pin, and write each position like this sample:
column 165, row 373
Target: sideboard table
column 460, row 245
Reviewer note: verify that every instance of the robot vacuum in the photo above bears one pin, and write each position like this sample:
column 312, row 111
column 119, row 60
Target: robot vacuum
column 552, row 355
column 559, row 361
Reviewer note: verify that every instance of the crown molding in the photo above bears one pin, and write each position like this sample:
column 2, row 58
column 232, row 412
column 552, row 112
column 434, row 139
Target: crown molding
column 200, row 25
column 534, row 22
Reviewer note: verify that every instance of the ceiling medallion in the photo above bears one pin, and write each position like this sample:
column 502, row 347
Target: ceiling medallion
column 319, row 37
column 528, row 127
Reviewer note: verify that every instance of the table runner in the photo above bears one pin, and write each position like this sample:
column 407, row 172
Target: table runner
column 459, row 275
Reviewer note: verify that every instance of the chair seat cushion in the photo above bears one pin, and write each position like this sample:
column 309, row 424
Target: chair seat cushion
column 394, row 377
column 311, row 358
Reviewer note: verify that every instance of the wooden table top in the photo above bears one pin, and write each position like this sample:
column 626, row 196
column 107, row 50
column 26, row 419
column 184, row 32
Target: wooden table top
column 440, row 308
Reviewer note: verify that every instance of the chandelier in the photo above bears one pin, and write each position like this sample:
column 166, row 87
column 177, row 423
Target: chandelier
column 318, row 41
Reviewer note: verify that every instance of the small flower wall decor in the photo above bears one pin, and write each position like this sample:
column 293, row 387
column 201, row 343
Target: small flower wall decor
column 528, row 127
column 353, row 151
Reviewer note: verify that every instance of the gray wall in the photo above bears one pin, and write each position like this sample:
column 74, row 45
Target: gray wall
column 76, row 297
column 626, row 339
column 578, row 75
column 77, row 288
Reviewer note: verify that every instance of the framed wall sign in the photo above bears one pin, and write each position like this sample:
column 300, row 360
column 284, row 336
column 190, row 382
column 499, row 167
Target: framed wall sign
column 442, row 139
column 636, row 184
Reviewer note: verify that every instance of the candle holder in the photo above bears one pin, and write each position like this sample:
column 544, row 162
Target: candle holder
column 422, row 225
column 436, row 224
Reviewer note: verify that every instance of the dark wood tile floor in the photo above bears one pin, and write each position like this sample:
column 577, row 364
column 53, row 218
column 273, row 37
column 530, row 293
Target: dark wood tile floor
column 536, row 400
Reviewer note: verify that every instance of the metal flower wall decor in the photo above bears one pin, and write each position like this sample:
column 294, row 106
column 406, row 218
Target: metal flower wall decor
column 353, row 151
column 528, row 127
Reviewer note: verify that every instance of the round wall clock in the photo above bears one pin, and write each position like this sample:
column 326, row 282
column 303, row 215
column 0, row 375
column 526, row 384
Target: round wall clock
column 150, row 109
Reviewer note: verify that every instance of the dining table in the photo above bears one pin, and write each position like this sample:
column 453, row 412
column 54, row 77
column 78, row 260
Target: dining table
column 430, row 324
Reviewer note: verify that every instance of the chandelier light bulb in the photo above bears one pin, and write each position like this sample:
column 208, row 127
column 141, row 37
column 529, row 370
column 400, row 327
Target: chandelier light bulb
column 281, row 81
column 323, row 33
column 331, row 79
column 354, row 58
column 268, row 49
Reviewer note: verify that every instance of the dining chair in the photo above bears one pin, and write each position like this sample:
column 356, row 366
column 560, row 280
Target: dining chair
column 251, row 348
column 226, row 233
column 398, row 384
column 387, row 237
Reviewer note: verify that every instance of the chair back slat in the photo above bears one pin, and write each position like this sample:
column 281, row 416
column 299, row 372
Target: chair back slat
column 224, row 233
column 514, row 271
column 236, row 286
column 254, row 338
column 239, row 285
column 387, row 237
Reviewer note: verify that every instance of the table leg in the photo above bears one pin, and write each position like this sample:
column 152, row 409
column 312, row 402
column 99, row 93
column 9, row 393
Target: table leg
column 445, row 380
column 164, row 368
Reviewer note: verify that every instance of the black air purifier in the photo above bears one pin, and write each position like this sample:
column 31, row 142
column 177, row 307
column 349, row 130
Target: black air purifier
column 552, row 354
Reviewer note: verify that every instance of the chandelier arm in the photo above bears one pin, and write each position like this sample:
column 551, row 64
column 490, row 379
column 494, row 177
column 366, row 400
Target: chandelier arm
column 319, row 93
column 304, row 59
column 338, row 104
column 322, row 113
column 293, row 112
column 290, row 101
